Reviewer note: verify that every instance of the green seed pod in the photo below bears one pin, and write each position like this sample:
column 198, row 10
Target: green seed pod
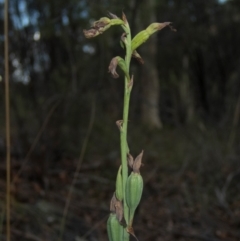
column 134, row 188
column 139, row 39
column 119, row 185
column 114, row 228
column 143, row 36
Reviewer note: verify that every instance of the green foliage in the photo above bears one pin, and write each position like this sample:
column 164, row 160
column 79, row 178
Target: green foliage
column 202, row 57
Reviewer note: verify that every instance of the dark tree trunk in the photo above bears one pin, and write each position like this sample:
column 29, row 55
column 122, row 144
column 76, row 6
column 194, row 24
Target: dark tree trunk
column 149, row 77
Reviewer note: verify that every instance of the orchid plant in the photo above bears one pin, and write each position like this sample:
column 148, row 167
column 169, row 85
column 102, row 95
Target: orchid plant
column 129, row 187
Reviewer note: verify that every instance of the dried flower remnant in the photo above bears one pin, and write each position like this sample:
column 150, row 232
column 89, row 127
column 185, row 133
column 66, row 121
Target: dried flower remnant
column 119, row 210
column 137, row 163
column 112, row 67
column 91, row 33
column 113, row 203
column 119, row 124
column 116, row 207
column 154, row 27
column 117, row 61
column 101, row 23
column 101, row 26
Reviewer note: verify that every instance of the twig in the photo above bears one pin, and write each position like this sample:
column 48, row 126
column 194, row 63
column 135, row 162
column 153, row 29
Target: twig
column 80, row 160
column 27, row 235
column 94, row 227
column 36, row 140
column 183, row 234
column 8, row 140
column 234, row 123
column 196, row 236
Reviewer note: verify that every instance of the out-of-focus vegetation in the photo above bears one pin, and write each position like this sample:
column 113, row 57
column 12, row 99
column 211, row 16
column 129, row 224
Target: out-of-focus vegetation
column 51, row 61
column 185, row 111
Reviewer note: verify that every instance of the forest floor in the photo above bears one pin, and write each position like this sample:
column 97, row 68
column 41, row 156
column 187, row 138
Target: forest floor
column 197, row 198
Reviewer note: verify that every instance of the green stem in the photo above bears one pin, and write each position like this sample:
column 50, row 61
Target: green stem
column 123, row 135
column 124, row 146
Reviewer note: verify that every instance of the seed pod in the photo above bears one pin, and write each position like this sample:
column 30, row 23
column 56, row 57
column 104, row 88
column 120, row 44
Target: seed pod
column 114, row 228
column 119, row 185
column 134, row 188
column 139, row 39
column 143, row 36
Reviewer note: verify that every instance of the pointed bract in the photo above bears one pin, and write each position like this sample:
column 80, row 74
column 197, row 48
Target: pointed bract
column 137, row 56
column 131, row 231
column 130, row 160
column 130, row 83
column 113, row 15
column 124, row 18
column 113, row 203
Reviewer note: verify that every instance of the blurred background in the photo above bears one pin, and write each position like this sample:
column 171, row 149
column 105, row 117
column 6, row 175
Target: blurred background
column 184, row 113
